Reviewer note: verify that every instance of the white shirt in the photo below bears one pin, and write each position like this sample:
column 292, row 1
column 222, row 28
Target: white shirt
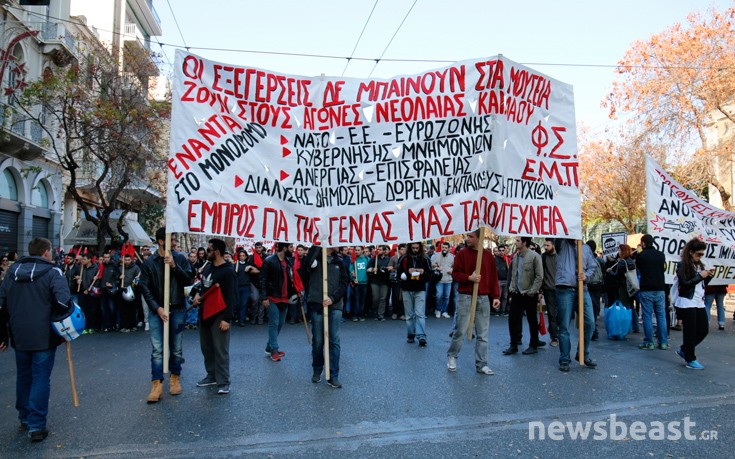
column 697, row 300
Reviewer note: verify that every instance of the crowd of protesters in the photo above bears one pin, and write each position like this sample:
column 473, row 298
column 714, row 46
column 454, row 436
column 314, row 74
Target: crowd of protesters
column 211, row 288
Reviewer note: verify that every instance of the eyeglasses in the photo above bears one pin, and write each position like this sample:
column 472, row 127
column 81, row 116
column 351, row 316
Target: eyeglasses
column 210, row 250
column 699, row 254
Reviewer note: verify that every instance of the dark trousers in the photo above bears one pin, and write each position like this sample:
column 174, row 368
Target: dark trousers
column 215, row 346
column 503, row 309
column 550, row 299
column 109, row 311
column 696, row 328
column 127, row 311
column 380, row 293
column 90, row 307
column 396, row 299
column 317, row 345
column 596, row 295
column 518, row 304
column 358, row 299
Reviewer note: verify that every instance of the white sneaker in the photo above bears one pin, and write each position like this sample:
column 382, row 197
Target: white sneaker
column 485, row 370
column 438, row 314
column 146, row 327
column 445, row 315
column 452, row 363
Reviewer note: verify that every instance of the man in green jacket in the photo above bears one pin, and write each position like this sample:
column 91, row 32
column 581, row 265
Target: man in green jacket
column 526, row 277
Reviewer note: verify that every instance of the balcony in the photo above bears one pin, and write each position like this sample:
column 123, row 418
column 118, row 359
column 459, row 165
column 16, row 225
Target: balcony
column 143, row 9
column 136, row 54
column 58, row 42
column 19, row 136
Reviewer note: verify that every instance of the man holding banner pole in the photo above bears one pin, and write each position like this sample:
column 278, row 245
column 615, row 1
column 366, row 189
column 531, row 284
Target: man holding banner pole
column 481, row 284
column 152, row 282
column 568, row 279
column 312, row 274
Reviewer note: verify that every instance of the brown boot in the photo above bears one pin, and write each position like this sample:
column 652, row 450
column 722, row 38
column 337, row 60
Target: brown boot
column 156, row 392
column 175, row 385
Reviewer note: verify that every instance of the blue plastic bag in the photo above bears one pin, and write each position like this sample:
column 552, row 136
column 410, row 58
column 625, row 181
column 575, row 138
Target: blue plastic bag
column 618, row 320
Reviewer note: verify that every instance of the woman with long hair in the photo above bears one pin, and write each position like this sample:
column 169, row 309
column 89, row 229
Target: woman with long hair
column 692, row 278
column 617, row 271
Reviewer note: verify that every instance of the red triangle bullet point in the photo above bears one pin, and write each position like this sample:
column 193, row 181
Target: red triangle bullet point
column 284, row 175
column 284, row 140
column 286, row 152
column 238, row 181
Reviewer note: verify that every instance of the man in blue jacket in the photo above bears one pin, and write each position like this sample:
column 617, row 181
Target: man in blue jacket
column 33, row 291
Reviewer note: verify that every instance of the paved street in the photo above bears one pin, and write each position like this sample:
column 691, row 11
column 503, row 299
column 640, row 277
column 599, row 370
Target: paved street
column 398, row 400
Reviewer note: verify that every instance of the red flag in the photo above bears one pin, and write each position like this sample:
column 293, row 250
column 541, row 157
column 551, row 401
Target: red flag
column 393, row 249
column 214, row 302
column 129, row 249
column 100, row 270
column 257, row 261
column 297, row 283
column 541, row 323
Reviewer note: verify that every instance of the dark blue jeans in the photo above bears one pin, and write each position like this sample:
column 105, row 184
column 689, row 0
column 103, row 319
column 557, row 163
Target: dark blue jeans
column 175, row 342
column 317, row 342
column 276, row 319
column 358, row 301
column 109, row 313
column 33, row 386
column 566, row 301
column 243, row 297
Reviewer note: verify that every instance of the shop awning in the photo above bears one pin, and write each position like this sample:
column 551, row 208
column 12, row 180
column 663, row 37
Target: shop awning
column 85, row 232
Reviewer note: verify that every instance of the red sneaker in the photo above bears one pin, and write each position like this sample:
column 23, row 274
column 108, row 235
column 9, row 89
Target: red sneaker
column 276, row 356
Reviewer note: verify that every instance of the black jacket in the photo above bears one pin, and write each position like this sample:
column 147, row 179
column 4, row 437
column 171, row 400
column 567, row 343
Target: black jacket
column 130, row 274
column 243, row 277
column 381, row 275
column 502, row 267
column 337, row 279
column 224, row 275
column 271, row 277
column 110, row 275
column 406, row 263
column 651, row 264
column 151, row 281
column 32, row 290
column 69, row 273
column 89, row 274
column 619, row 269
column 688, row 285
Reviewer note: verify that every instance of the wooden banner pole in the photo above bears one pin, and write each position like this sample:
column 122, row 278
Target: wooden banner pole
column 166, row 301
column 580, row 301
column 325, row 285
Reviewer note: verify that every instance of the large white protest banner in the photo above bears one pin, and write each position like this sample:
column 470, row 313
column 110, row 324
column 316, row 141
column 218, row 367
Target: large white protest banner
column 260, row 154
column 676, row 215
